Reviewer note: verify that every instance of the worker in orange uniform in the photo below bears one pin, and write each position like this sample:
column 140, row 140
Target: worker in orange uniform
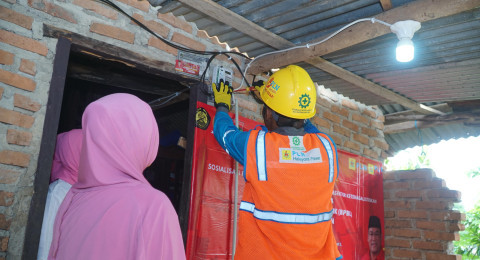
column 290, row 170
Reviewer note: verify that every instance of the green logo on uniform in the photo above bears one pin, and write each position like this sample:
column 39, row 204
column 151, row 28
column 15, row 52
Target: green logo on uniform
column 304, row 101
column 296, row 141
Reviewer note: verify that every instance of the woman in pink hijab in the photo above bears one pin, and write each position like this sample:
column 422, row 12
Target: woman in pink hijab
column 112, row 212
column 64, row 175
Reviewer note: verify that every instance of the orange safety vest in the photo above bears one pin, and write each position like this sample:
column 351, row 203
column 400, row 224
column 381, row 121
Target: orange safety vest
column 287, row 206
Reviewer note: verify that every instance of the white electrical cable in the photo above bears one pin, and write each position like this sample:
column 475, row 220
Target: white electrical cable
column 308, row 45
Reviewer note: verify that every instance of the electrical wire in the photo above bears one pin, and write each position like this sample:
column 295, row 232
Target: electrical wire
column 215, row 53
column 308, row 45
column 178, row 47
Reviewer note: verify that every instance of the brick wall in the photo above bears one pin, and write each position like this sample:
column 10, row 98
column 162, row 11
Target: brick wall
column 26, row 65
column 419, row 220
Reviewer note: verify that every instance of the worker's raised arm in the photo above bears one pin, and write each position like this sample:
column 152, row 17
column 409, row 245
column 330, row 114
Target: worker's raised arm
column 230, row 138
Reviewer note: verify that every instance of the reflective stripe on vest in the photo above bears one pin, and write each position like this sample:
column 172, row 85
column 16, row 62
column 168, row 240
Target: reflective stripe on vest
column 282, row 217
column 261, row 156
column 331, row 163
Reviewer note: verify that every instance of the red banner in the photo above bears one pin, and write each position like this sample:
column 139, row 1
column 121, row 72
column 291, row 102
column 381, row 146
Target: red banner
column 358, row 195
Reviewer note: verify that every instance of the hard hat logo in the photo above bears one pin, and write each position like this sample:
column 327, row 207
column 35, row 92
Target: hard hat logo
column 304, row 101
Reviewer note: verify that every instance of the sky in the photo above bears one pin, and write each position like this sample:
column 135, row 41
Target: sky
column 451, row 160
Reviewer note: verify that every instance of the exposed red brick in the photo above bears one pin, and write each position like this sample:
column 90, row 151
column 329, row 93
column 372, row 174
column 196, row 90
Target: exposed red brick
column 1, row 92
column 17, row 18
column 444, row 236
column 363, row 139
column 430, row 225
column 216, row 41
column 409, row 194
column 3, row 244
column 18, row 137
column 352, row 145
column 6, row 58
column 203, row 34
column 369, row 132
column 4, row 223
column 176, row 22
column 396, row 242
column 370, row 153
column 389, row 176
column 425, row 245
column 389, row 214
column 14, row 158
column 350, row 125
column 444, row 193
column 24, row 102
column 456, row 227
column 8, row 176
column 426, row 174
column 140, row 5
column 413, row 233
column 454, row 215
column 16, row 118
column 381, row 144
column 432, row 205
column 97, row 8
column 188, row 42
column 52, row 9
column 361, row 119
column 332, row 117
column 112, row 32
column 340, row 110
column 322, row 101
column 405, row 253
column 441, row 256
column 369, row 113
column 6, row 198
column 395, row 223
column 159, row 28
column 435, row 183
column 377, row 125
column 16, row 80
column 381, row 118
column 336, row 139
column 23, row 42
column 28, row 67
column 400, row 204
column 396, row 185
column 341, row 130
column 350, row 104
column 321, row 122
column 418, row 214
column 154, row 42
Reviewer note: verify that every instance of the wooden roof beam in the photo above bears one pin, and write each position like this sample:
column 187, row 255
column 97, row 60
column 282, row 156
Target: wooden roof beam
column 238, row 22
column 421, row 11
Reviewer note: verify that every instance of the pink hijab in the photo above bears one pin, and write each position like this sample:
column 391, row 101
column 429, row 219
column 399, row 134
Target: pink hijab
column 112, row 212
column 67, row 155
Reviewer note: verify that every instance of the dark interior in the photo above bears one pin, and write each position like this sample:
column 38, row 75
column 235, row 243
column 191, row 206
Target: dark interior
column 90, row 78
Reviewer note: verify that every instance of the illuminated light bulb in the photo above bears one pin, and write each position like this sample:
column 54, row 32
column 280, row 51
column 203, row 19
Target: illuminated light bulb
column 405, row 50
column 404, row 31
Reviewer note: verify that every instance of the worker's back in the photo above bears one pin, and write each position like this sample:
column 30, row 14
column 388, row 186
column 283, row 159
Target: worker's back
column 286, row 209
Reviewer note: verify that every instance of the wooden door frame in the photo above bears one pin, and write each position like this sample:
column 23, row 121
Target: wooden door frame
column 71, row 42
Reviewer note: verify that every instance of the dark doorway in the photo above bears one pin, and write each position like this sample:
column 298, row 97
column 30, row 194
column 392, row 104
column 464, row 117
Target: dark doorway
column 89, row 78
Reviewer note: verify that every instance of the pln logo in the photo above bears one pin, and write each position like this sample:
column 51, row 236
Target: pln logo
column 287, row 155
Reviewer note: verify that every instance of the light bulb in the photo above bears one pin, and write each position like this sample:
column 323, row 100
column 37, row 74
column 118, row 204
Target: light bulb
column 404, row 31
column 405, row 50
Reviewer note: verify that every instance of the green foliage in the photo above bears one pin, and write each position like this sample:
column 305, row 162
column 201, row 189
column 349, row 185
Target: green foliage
column 469, row 244
column 422, row 160
column 473, row 173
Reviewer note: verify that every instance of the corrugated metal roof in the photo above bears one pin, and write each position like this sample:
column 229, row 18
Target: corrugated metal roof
column 446, row 65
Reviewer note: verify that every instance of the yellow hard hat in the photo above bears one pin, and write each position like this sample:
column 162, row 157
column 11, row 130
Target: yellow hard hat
column 290, row 92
